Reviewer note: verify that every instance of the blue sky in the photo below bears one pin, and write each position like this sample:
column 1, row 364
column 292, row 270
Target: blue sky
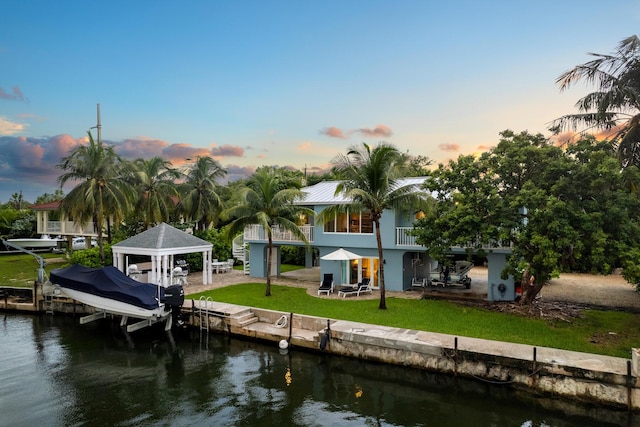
column 287, row 83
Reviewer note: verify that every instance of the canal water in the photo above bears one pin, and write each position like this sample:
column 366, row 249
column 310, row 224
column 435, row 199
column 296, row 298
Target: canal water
column 55, row 372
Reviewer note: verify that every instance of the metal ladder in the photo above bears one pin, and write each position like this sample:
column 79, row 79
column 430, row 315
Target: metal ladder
column 48, row 303
column 203, row 313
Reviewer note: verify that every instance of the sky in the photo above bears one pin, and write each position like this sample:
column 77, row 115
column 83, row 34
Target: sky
column 285, row 83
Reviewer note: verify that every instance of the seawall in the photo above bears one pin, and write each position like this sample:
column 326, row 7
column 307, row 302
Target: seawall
column 602, row 380
column 597, row 379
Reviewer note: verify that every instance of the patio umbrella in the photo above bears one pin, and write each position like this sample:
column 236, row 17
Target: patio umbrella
column 340, row 255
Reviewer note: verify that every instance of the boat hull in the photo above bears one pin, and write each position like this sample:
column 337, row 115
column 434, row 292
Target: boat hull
column 36, row 243
column 115, row 307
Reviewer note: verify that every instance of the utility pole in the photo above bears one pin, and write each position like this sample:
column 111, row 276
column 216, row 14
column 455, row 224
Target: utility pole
column 99, row 126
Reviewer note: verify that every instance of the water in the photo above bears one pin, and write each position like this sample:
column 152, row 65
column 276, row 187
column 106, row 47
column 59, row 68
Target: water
column 55, row 372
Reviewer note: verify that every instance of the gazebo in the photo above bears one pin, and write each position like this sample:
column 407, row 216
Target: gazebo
column 162, row 243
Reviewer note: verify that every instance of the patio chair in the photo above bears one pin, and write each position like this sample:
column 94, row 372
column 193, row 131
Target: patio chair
column 326, row 285
column 229, row 265
column 416, row 281
column 360, row 288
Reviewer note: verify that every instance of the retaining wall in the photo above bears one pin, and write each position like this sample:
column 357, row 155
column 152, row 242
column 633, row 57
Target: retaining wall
column 603, row 380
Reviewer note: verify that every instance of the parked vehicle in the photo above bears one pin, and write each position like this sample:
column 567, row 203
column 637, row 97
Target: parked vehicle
column 81, row 243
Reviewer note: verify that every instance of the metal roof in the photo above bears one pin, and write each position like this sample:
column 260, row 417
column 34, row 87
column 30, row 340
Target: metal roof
column 324, row 193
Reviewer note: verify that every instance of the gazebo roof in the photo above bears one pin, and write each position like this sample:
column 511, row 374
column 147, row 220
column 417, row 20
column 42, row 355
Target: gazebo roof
column 162, row 239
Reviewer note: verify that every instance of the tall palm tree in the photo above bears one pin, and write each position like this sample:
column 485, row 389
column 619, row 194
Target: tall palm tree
column 155, row 180
column 200, row 201
column 267, row 200
column 369, row 179
column 104, row 189
column 615, row 105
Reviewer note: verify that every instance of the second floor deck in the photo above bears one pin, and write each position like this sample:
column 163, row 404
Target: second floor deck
column 403, row 238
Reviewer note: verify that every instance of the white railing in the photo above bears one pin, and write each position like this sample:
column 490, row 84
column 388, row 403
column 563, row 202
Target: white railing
column 404, row 238
column 69, row 227
column 256, row 232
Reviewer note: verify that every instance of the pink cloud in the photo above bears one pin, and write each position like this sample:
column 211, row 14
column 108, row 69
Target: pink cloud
column 380, row 131
column 333, row 132
column 142, row 147
column 305, row 147
column 177, row 153
column 449, row 147
column 227, row 151
column 15, row 95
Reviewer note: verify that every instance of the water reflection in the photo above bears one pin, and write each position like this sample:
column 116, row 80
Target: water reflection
column 60, row 373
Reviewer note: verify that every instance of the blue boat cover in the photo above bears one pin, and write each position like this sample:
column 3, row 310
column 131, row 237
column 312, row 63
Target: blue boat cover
column 108, row 282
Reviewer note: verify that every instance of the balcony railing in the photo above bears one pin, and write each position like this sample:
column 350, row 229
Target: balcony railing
column 256, row 232
column 69, row 228
column 404, row 238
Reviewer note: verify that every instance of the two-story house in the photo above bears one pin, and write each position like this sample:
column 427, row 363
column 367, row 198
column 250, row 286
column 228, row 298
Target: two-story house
column 51, row 222
column 404, row 259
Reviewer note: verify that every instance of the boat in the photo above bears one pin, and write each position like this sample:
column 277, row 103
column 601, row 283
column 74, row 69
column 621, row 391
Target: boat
column 44, row 242
column 110, row 291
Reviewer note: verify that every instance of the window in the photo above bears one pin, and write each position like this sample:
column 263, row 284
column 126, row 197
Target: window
column 356, row 223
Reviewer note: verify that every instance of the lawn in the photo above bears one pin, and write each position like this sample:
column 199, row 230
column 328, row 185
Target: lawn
column 21, row 270
column 610, row 333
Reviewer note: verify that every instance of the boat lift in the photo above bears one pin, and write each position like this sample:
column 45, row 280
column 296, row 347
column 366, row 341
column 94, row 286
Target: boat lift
column 41, row 262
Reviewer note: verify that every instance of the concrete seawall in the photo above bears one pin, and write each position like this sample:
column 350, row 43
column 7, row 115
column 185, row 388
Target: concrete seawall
column 603, row 380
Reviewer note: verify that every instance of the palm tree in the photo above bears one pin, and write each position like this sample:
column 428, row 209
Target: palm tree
column 200, row 201
column 369, row 179
column 267, row 200
column 615, row 105
column 155, row 181
column 104, row 186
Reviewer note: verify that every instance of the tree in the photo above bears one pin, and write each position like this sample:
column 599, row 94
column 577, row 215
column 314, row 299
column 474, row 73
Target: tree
column 615, row 105
column 369, row 180
column 16, row 201
column 158, row 193
column 416, row 165
column 48, row 197
column 104, row 190
column 200, row 201
column 268, row 200
column 559, row 210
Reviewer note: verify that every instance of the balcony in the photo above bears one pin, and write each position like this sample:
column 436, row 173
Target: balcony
column 69, row 228
column 404, row 238
column 256, row 232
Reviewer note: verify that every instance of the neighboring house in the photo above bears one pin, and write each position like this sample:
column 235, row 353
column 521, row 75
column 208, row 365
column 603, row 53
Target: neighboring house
column 403, row 260
column 50, row 221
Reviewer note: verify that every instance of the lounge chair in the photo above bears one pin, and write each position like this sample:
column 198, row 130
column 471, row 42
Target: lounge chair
column 356, row 290
column 326, row 285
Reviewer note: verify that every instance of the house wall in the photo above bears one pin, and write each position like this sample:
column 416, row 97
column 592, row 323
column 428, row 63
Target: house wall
column 398, row 268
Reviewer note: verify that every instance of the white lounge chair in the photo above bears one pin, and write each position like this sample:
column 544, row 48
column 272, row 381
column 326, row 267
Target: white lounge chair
column 360, row 288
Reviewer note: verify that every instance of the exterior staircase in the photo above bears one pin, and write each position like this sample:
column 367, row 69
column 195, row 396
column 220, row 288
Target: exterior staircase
column 240, row 251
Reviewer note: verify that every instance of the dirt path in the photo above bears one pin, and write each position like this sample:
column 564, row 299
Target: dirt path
column 596, row 290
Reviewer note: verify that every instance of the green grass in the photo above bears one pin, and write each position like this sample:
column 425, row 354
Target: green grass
column 21, row 270
column 601, row 332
